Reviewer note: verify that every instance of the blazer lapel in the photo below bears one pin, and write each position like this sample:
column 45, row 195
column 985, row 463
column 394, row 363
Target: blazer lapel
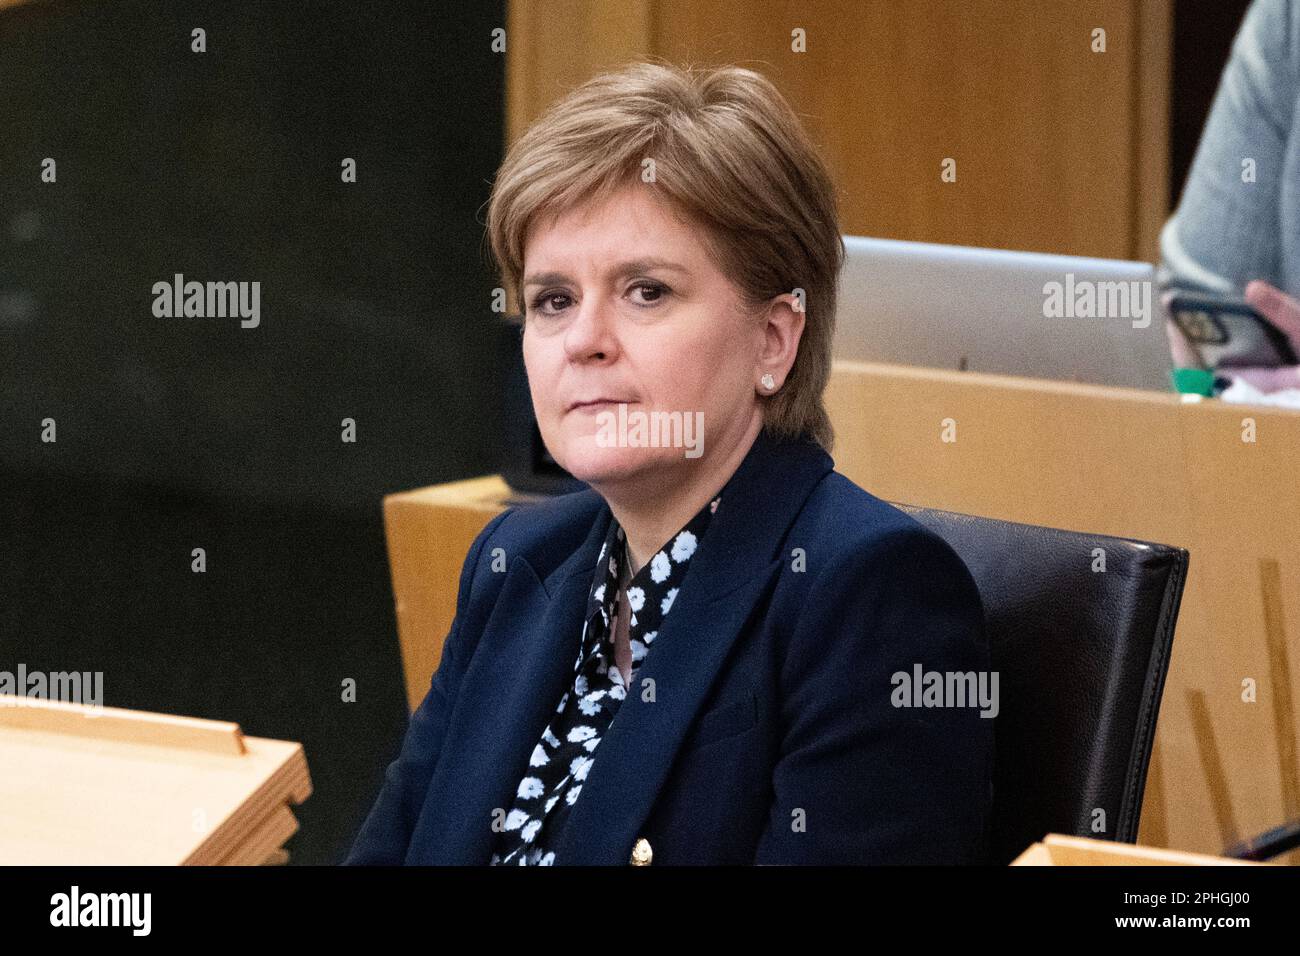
column 523, row 665
column 736, row 561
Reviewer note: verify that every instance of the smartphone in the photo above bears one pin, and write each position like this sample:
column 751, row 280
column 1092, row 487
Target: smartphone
column 1227, row 332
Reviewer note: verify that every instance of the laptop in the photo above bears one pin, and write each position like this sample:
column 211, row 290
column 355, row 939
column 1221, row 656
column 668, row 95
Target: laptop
column 993, row 310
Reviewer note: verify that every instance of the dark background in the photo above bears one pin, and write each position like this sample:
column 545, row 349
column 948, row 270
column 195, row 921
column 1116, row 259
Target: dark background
column 182, row 433
column 1203, row 32
column 185, row 432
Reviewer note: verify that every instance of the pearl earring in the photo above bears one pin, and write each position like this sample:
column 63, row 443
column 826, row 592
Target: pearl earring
column 768, row 381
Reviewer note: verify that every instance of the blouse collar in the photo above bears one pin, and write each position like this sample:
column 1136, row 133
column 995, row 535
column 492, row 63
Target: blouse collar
column 651, row 591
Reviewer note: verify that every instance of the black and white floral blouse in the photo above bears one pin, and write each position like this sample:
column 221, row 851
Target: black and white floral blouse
column 563, row 757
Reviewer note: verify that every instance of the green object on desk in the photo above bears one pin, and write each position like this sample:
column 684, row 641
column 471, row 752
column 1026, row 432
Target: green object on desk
column 1193, row 381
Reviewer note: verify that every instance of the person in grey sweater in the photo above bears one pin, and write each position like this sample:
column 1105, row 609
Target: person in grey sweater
column 1236, row 230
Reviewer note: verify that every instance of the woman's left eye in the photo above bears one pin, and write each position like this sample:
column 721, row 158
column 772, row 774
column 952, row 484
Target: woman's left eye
column 657, row 288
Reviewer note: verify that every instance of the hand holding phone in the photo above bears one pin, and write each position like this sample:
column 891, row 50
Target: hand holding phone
column 1255, row 338
column 1284, row 312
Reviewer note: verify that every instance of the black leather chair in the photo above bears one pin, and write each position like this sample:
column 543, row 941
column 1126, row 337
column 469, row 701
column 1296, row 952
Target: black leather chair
column 1081, row 657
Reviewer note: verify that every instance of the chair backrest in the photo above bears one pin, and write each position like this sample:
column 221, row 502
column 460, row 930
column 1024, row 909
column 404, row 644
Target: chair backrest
column 1080, row 627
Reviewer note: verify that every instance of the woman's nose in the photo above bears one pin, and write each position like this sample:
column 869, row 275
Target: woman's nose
column 591, row 333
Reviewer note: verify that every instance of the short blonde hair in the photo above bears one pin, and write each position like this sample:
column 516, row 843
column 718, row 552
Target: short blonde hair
column 728, row 152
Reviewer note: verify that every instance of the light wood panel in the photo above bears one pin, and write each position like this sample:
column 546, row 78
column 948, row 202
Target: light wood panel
column 1057, row 849
column 1058, row 148
column 95, row 786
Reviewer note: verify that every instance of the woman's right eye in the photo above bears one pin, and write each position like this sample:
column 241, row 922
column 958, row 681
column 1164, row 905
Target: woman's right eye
column 546, row 297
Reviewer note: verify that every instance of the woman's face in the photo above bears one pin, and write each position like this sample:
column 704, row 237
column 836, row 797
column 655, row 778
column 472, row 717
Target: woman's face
column 623, row 303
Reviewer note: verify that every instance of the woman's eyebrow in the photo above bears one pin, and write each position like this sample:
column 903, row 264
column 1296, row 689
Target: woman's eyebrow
column 617, row 271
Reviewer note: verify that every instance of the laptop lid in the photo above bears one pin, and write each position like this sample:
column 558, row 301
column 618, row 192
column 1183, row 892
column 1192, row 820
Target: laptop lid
column 993, row 310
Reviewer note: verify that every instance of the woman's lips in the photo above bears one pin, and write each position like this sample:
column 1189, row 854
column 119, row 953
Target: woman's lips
column 597, row 406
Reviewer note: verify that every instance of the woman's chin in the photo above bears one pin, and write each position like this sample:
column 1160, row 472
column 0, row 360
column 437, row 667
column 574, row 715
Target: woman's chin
column 587, row 461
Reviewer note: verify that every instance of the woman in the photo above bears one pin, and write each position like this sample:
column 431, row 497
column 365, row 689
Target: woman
column 696, row 661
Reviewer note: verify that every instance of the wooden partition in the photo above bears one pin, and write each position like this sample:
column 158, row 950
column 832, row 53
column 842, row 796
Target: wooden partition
column 1221, row 480
column 1059, row 146
column 1056, row 849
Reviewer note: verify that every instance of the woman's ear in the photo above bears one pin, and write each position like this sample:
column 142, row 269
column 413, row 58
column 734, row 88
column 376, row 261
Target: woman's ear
column 783, row 327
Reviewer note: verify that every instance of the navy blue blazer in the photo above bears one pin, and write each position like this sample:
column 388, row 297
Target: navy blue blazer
column 772, row 736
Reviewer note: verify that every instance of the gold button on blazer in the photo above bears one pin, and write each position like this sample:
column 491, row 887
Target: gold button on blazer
column 641, row 853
